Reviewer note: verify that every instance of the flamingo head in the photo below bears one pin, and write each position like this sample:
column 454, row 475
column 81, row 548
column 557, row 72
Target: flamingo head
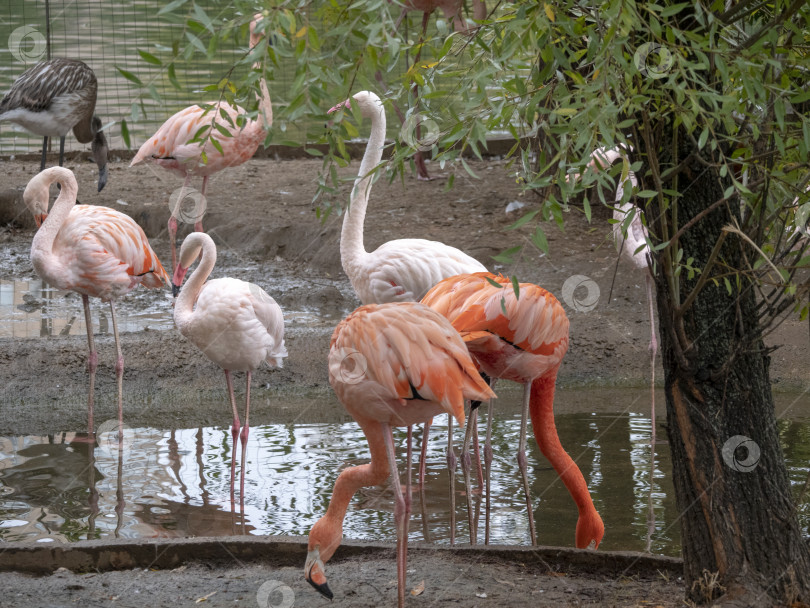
column 368, row 102
column 99, row 148
column 37, row 195
column 590, row 530
column 189, row 251
column 177, row 279
column 314, row 573
column 324, row 539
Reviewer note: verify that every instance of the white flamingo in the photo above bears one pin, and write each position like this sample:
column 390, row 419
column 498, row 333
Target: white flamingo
column 234, row 323
column 402, row 270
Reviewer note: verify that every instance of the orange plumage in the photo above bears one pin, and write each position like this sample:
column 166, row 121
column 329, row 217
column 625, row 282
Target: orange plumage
column 521, row 337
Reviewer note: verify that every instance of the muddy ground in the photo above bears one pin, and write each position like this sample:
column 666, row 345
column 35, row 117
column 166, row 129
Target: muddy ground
column 262, row 217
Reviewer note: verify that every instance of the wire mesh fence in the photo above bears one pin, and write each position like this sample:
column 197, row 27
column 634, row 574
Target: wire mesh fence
column 108, row 36
column 103, row 35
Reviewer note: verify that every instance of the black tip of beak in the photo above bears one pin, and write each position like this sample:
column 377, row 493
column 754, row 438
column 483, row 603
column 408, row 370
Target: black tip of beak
column 324, row 589
column 175, row 290
column 102, row 178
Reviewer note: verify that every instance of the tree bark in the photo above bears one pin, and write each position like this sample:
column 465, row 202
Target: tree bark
column 738, row 518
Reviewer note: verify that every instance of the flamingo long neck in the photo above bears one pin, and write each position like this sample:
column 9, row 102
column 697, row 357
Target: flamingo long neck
column 47, row 264
column 184, row 306
column 352, row 250
column 328, row 531
column 541, row 408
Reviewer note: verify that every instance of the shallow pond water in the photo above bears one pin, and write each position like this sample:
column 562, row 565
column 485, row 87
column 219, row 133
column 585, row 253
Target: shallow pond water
column 175, row 483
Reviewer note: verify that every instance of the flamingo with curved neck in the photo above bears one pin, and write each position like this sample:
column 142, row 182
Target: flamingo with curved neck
column 415, row 367
column 402, row 270
column 236, row 324
column 169, row 147
column 92, row 250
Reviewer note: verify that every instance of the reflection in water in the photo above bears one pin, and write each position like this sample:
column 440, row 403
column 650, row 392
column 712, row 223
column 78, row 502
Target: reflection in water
column 177, row 483
column 30, row 309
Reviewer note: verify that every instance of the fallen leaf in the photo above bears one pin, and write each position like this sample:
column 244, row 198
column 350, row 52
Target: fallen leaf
column 419, row 589
column 203, row 598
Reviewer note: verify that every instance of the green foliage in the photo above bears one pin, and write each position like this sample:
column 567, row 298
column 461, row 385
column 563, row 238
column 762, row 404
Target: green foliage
column 562, row 78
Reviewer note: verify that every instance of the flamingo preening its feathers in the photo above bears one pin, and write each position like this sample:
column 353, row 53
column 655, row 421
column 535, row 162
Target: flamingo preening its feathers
column 54, row 97
column 521, row 337
column 415, row 366
column 92, row 250
column 169, row 147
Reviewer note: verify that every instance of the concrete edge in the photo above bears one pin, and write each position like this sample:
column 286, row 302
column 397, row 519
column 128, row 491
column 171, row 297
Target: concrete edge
column 281, row 551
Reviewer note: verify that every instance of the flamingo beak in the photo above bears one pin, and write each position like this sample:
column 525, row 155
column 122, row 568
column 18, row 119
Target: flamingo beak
column 177, row 279
column 102, row 177
column 343, row 104
column 40, row 218
column 315, row 575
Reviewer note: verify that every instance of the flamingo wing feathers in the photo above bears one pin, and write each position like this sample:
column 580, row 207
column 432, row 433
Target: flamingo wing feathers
column 411, row 350
column 109, row 252
column 169, row 145
column 534, row 322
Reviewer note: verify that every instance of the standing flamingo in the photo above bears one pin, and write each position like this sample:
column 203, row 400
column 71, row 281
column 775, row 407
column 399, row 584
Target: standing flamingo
column 54, row 97
column 394, row 364
column 234, row 323
column 402, row 270
column 169, row 149
column 522, row 339
column 94, row 251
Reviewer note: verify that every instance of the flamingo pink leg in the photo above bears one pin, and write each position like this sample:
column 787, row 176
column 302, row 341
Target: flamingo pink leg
column 92, row 364
column 466, row 464
column 423, row 453
column 524, row 417
column 198, row 227
column 244, row 438
column 234, row 430
column 451, row 466
column 119, row 375
column 402, row 511
column 173, row 221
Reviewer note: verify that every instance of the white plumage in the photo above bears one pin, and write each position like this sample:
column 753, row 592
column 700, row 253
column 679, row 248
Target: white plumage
column 397, row 271
column 236, row 324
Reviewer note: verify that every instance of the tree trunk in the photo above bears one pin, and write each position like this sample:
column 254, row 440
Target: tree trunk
column 741, row 538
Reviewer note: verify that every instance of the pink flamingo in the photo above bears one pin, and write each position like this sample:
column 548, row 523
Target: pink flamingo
column 402, row 270
column 522, row 339
column 169, row 149
column 92, row 250
column 234, row 323
column 394, row 364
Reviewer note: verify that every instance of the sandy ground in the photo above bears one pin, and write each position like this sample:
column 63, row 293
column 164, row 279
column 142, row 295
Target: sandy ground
column 262, row 217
